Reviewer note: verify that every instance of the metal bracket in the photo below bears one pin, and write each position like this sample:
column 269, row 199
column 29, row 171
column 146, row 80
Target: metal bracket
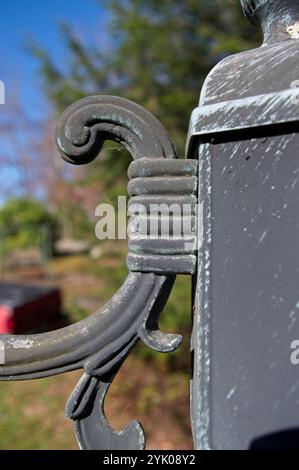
column 100, row 343
column 170, row 186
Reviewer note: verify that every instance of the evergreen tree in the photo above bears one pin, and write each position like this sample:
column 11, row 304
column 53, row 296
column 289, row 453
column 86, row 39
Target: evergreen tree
column 161, row 53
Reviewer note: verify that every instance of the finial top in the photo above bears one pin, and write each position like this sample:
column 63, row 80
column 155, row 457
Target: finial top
column 279, row 19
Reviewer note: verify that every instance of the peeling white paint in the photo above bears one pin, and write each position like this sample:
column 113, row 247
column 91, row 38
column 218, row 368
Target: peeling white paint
column 263, row 236
column 21, row 343
column 293, row 30
column 230, row 393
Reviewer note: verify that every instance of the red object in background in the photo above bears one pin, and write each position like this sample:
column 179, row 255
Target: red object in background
column 6, row 319
column 25, row 308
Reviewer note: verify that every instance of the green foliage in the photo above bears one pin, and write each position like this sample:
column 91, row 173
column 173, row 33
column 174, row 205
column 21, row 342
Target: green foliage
column 160, row 55
column 25, row 223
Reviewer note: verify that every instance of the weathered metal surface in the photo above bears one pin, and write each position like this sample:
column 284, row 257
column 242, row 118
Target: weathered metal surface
column 244, row 387
column 245, row 132
column 100, row 343
column 278, row 18
column 253, row 116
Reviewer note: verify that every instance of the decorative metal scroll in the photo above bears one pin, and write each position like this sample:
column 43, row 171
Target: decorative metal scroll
column 100, row 343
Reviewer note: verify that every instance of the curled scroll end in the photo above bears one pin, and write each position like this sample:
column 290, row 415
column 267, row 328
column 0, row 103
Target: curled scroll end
column 93, row 432
column 154, row 338
column 76, row 135
column 159, row 341
column 149, row 331
column 87, row 124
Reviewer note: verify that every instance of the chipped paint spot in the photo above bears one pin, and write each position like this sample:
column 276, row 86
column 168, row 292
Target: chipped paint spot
column 293, row 30
column 230, row 393
column 263, row 236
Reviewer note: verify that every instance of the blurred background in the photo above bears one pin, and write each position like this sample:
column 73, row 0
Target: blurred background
column 53, row 270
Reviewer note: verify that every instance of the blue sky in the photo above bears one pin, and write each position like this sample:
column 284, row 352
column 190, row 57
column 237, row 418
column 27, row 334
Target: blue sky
column 38, row 20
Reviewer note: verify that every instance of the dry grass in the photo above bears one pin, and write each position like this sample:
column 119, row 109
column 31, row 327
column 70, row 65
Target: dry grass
column 150, row 387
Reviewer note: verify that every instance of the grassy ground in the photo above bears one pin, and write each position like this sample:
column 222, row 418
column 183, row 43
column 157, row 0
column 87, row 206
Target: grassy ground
column 151, row 387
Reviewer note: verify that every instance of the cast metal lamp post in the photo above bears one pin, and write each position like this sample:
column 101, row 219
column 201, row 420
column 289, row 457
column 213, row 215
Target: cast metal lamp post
column 240, row 181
